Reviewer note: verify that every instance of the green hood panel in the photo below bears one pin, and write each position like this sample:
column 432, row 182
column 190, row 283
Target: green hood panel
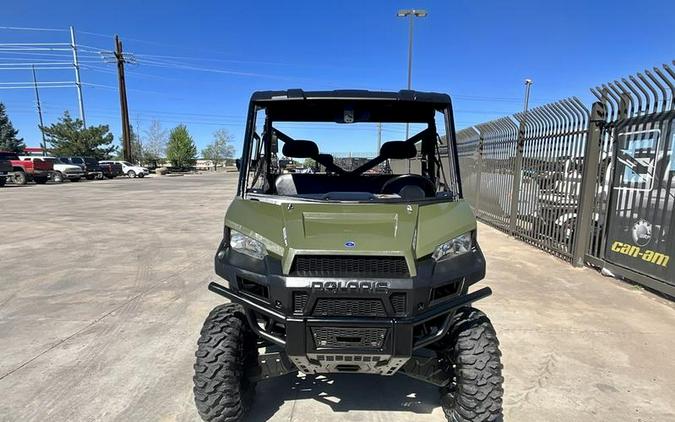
column 288, row 229
column 441, row 222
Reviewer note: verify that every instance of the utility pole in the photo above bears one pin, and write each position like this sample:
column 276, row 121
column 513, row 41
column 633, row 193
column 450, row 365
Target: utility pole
column 78, row 82
column 379, row 138
column 39, row 110
column 124, row 110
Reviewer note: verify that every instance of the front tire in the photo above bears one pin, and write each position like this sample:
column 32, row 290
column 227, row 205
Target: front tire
column 59, row 177
column 20, row 178
column 472, row 353
column 131, row 174
column 227, row 351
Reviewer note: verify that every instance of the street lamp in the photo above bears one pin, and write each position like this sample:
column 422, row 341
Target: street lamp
column 528, row 85
column 411, row 14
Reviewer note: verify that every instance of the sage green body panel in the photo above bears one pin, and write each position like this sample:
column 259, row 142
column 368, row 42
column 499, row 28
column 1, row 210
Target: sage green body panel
column 289, row 229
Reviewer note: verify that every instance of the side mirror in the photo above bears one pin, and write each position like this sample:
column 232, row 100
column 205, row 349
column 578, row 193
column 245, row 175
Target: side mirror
column 237, row 163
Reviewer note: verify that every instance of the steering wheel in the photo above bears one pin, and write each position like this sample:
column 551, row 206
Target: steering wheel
column 398, row 183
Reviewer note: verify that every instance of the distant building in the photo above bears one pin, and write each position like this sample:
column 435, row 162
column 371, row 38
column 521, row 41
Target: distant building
column 202, row 164
column 35, row 151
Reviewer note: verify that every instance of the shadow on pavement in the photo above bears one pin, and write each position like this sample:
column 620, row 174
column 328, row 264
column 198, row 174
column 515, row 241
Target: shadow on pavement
column 344, row 393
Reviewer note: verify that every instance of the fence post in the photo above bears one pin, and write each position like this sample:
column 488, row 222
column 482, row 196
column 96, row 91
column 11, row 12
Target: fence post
column 517, row 174
column 589, row 183
column 479, row 168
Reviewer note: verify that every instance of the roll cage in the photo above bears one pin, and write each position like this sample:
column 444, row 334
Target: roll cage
column 350, row 107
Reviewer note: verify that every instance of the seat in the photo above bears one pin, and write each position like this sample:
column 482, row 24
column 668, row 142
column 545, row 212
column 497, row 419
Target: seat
column 285, row 185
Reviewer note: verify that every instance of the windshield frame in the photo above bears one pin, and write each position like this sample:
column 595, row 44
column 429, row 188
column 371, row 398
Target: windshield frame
column 445, row 159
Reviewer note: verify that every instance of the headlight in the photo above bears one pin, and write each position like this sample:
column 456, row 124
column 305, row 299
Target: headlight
column 246, row 245
column 454, row 247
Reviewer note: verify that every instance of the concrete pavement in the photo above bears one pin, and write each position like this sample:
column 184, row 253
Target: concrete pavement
column 103, row 293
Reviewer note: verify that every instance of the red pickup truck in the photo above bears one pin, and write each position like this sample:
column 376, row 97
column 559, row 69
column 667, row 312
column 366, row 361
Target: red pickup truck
column 24, row 171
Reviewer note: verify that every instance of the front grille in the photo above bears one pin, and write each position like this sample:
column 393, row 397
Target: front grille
column 349, row 307
column 343, row 338
column 300, row 301
column 398, row 302
column 349, row 265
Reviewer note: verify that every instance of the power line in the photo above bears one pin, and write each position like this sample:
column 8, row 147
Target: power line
column 212, row 59
column 28, row 67
column 211, row 70
column 41, row 86
column 34, row 64
column 20, row 28
column 29, row 44
column 31, row 83
column 18, row 49
column 31, row 53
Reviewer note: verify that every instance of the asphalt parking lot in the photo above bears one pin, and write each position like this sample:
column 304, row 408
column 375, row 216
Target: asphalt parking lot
column 103, row 293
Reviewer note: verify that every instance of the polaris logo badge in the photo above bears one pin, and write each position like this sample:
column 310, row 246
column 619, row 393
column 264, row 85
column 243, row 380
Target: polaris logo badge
column 350, row 244
column 378, row 287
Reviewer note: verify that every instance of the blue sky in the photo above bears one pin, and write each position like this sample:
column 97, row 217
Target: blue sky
column 198, row 62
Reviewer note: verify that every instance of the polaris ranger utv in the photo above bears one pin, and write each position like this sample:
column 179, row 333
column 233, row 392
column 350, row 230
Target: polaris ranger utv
column 362, row 271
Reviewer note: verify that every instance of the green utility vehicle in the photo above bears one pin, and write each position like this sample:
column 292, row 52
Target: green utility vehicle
column 360, row 271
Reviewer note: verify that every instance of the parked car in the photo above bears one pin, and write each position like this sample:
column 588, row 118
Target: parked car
column 129, row 169
column 89, row 166
column 24, row 171
column 64, row 170
column 110, row 169
column 5, row 170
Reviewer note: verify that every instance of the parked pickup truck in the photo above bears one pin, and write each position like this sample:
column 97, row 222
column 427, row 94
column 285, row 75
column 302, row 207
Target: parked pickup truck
column 111, row 169
column 5, row 170
column 24, row 171
column 89, row 166
column 63, row 170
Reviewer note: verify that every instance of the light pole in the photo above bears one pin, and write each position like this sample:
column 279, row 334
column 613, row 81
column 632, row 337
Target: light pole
column 411, row 14
column 528, row 85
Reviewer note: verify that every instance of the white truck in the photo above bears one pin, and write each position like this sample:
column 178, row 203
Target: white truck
column 62, row 170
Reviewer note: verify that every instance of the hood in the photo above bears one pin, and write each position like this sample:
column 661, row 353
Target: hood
column 62, row 166
column 392, row 229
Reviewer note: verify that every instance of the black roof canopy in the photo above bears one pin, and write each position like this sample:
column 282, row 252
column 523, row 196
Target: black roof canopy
column 360, row 105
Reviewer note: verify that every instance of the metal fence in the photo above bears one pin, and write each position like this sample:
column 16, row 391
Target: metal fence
column 468, row 149
column 588, row 186
column 495, row 167
column 635, row 168
column 548, row 195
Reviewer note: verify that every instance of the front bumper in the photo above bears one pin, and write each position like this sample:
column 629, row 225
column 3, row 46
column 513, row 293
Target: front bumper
column 318, row 340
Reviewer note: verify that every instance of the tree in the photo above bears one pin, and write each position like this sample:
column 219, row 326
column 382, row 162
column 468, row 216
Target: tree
column 154, row 146
column 309, row 163
column 181, row 150
column 70, row 137
column 8, row 138
column 220, row 149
